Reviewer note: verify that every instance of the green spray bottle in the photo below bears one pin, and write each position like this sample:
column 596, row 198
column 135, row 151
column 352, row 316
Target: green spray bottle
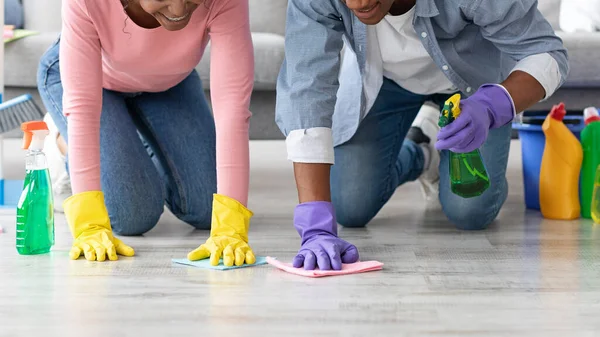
column 35, row 210
column 590, row 141
column 468, row 176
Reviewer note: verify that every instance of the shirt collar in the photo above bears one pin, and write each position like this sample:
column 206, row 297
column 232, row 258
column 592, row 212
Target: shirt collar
column 426, row 8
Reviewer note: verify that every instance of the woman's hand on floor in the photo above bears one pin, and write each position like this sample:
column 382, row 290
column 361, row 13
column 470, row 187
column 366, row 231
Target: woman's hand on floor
column 98, row 245
column 228, row 235
column 231, row 249
column 90, row 225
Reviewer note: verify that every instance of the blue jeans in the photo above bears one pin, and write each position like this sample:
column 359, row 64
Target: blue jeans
column 370, row 166
column 155, row 149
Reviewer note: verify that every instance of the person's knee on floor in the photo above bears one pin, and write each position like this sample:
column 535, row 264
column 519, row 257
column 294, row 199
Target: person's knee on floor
column 200, row 219
column 469, row 217
column 127, row 224
column 474, row 213
column 193, row 210
column 353, row 217
column 353, row 207
column 135, row 217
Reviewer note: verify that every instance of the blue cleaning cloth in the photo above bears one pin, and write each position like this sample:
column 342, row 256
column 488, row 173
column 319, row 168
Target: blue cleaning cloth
column 206, row 263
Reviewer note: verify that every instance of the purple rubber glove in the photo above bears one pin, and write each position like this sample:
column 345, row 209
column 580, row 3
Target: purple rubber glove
column 317, row 226
column 489, row 108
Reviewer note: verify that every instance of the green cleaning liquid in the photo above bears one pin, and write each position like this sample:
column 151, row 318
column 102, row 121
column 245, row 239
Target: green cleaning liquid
column 590, row 141
column 468, row 176
column 35, row 210
column 35, row 214
column 595, row 204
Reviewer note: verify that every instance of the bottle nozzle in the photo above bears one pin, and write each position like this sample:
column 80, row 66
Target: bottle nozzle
column 591, row 115
column 558, row 112
column 35, row 133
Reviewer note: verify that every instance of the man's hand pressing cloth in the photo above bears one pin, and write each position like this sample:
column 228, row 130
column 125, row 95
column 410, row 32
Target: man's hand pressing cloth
column 321, row 247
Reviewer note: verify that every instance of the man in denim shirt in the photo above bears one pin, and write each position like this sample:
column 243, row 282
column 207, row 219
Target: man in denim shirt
column 356, row 75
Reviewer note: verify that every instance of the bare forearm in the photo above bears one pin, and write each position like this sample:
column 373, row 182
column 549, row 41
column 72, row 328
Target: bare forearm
column 312, row 181
column 524, row 89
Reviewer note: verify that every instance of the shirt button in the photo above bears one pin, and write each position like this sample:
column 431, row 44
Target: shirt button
column 445, row 67
column 424, row 35
column 469, row 89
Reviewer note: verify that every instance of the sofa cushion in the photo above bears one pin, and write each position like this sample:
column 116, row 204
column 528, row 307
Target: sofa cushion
column 580, row 16
column 268, row 16
column 268, row 57
column 22, row 57
column 584, row 52
column 551, row 10
column 42, row 15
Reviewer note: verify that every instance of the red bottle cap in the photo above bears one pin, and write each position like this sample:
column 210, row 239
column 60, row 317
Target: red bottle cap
column 591, row 115
column 558, row 112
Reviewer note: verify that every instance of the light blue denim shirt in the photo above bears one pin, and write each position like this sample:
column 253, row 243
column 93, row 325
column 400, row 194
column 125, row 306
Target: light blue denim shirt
column 322, row 89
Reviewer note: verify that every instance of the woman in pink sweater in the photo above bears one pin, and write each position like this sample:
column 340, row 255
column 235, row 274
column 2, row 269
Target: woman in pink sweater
column 121, row 87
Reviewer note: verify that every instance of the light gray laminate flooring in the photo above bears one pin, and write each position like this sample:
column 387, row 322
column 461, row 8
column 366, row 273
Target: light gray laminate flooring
column 524, row 276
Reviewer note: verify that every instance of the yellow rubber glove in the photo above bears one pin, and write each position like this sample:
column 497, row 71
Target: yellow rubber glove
column 90, row 225
column 228, row 234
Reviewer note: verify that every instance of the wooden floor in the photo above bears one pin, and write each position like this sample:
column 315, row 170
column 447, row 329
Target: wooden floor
column 525, row 276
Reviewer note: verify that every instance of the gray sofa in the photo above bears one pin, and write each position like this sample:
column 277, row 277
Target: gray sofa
column 267, row 25
column 582, row 88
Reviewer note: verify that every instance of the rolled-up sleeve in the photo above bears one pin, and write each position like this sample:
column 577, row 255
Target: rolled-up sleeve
column 308, row 80
column 518, row 28
column 544, row 68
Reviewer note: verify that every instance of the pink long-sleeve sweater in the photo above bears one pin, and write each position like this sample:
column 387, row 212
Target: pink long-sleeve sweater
column 98, row 50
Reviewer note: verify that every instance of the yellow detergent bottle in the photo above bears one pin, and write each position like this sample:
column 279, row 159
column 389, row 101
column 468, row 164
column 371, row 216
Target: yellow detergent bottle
column 561, row 166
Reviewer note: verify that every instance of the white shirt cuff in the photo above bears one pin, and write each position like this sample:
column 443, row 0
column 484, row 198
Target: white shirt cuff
column 314, row 145
column 544, row 68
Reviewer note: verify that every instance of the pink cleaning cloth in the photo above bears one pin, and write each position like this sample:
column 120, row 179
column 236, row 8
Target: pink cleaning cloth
column 353, row 268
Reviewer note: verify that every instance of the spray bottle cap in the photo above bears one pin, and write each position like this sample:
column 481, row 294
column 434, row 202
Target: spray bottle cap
column 558, row 112
column 35, row 133
column 591, row 115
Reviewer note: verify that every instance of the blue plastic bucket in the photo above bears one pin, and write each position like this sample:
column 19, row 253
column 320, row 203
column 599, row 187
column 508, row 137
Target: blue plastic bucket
column 12, row 192
column 533, row 142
